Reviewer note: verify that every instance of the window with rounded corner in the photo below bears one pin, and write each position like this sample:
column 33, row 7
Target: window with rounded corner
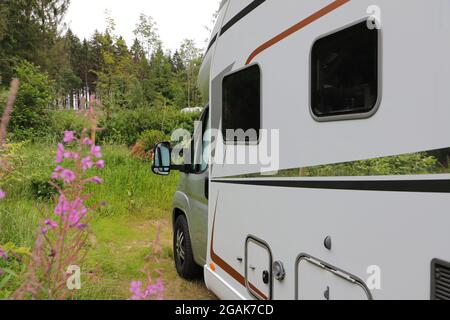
column 241, row 105
column 344, row 73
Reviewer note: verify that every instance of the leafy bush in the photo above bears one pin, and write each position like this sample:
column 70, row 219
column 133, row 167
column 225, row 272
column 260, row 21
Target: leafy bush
column 146, row 142
column 64, row 120
column 12, row 164
column 125, row 127
column 151, row 137
column 43, row 190
column 13, row 267
column 30, row 118
column 3, row 97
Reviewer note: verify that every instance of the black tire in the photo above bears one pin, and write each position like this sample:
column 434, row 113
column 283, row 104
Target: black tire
column 182, row 251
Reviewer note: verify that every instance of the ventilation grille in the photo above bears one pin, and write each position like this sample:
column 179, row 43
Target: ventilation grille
column 440, row 286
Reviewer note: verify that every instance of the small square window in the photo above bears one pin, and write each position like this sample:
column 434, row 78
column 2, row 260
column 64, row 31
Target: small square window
column 344, row 73
column 241, row 105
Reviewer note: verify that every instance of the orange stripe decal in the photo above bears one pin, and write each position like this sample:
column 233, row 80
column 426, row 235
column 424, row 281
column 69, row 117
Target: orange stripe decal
column 226, row 267
column 302, row 24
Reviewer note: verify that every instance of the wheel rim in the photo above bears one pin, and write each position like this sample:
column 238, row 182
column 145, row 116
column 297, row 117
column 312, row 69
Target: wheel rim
column 180, row 247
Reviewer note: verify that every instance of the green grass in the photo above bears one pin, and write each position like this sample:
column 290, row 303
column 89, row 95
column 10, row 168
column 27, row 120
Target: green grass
column 123, row 231
column 123, row 250
column 131, row 188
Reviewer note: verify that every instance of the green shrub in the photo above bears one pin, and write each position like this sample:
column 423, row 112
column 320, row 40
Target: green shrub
column 147, row 142
column 3, row 98
column 125, row 127
column 43, row 190
column 151, row 137
column 30, row 118
column 64, row 120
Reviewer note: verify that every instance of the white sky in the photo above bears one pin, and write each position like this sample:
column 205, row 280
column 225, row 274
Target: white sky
column 176, row 19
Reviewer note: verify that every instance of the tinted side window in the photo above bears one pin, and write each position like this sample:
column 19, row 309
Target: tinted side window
column 241, row 103
column 344, row 72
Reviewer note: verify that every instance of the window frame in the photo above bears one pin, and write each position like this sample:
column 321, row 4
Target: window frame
column 204, row 119
column 349, row 116
column 243, row 143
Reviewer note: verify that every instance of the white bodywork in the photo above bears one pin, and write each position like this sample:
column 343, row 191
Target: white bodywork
column 399, row 232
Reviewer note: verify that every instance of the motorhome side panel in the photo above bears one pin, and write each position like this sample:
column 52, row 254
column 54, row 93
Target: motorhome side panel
column 383, row 230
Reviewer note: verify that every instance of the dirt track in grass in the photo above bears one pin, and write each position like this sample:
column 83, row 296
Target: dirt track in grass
column 127, row 249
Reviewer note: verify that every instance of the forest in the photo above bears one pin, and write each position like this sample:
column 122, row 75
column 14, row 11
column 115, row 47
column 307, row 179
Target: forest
column 80, row 119
column 59, row 71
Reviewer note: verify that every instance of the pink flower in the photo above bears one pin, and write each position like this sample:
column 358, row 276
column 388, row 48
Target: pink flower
column 152, row 290
column 69, row 136
column 77, row 211
column 96, row 151
column 50, row 223
column 87, row 163
column 2, row 194
column 156, row 290
column 71, row 155
column 62, row 207
column 160, row 289
column 96, row 180
column 55, row 174
column 87, row 141
column 68, row 176
column 3, row 254
column 136, row 290
column 60, row 153
column 70, row 211
column 82, row 226
column 100, row 164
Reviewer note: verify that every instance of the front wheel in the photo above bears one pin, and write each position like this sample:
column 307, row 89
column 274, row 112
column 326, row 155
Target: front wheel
column 182, row 248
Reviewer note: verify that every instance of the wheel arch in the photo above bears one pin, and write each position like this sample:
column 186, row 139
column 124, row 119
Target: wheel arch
column 177, row 212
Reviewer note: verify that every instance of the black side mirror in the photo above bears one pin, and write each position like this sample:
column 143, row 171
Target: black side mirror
column 162, row 159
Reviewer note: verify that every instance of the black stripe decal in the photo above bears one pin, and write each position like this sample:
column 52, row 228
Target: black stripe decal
column 420, row 186
column 252, row 6
column 211, row 43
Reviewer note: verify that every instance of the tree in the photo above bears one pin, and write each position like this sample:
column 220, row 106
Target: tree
column 28, row 30
column 210, row 27
column 3, row 21
column 137, row 51
column 30, row 115
column 144, row 75
column 191, row 58
column 146, row 32
column 160, row 77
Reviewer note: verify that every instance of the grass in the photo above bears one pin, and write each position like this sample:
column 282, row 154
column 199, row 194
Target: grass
column 123, row 232
column 123, row 251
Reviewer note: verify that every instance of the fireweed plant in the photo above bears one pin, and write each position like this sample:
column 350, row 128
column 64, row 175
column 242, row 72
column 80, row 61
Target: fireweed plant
column 5, row 168
column 62, row 238
column 151, row 290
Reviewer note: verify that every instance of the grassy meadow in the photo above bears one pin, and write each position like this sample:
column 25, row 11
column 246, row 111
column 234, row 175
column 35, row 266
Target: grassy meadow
column 123, row 241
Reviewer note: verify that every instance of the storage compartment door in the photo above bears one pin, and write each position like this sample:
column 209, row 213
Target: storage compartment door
column 258, row 274
column 316, row 281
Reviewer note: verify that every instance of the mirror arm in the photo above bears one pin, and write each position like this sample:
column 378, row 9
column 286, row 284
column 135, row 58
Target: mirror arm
column 181, row 168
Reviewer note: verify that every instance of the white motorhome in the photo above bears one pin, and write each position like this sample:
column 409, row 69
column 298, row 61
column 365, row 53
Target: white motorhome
column 349, row 100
